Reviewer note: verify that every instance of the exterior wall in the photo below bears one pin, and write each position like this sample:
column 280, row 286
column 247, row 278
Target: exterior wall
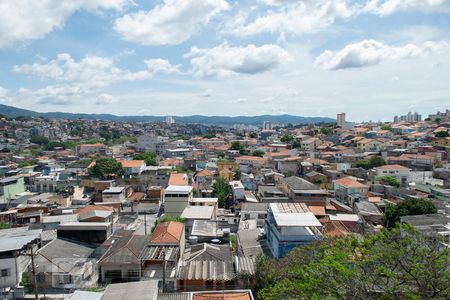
column 12, row 279
column 9, row 191
column 114, row 197
column 401, row 175
column 174, row 206
column 124, row 271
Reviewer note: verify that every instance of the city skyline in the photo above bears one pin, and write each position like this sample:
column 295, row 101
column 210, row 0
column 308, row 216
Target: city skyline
column 172, row 57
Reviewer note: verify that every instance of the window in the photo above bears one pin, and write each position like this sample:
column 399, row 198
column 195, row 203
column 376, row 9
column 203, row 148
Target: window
column 5, row 272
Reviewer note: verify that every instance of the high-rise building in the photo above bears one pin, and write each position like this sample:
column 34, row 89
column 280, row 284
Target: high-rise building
column 267, row 125
column 170, row 120
column 340, row 120
column 410, row 117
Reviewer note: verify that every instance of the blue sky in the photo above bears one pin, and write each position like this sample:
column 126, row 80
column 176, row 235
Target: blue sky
column 372, row 59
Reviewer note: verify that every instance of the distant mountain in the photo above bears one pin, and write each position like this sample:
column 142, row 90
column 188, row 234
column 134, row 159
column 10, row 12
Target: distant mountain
column 13, row 112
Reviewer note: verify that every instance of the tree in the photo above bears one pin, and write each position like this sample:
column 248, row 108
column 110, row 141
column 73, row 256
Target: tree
column 442, row 134
column 326, row 131
column 209, row 135
column 40, row 140
column 287, row 138
column 373, row 162
column 104, row 167
column 392, row 264
column 253, row 135
column 149, row 157
column 26, row 282
column 386, row 127
column 411, row 207
column 238, row 146
column 259, row 153
column 221, row 190
column 392, row 181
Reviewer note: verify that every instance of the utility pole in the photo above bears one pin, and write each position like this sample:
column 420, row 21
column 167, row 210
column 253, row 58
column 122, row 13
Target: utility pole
column 34, row 275
column 164, row 272
column 145, row 223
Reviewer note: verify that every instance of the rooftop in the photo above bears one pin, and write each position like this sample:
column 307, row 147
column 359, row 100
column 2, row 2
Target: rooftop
column 167, row 233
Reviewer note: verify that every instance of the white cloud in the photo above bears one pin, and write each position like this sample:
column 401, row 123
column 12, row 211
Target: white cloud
column 224, row 60
column 294, row 17
column 3, row 92
column 87, row 75
column 170, row 23
column 369, row 52
column 26, row 20
column 206, row 93
column 241, row 100
column 387, row 7
column 105, row 99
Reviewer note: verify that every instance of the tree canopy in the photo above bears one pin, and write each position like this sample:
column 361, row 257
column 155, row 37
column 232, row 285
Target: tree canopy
column 221, row 190
column 393, row 264
column 149, row 157
column 238, row 146
column 442, row 134
column 259, row 153
column 104, row 167
column 411, row 207
column 287, row 138
column 373, row 162
column 389, row 180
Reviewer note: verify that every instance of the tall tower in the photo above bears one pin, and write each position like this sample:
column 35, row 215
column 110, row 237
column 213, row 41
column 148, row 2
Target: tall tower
column 340, row 120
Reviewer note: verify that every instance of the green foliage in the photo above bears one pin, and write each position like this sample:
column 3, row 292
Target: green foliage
column 105, row 166
column 442, row 134
column 238, row 146
column 93, row 141
column 40, row 140
column 326, row 131
column 259, row 153
column 296, row 144
column 253, row 135
column 386, row 127
column 390, row 180
column 26, row 282
column 4, row 225
column 373, row 162
column 411, row 207
column 221, row 190
column 393, row 264
column 233, row 241
column 69, row 144
column 149, row 157
column 209, row 135
column 287, row 138
column 27, row 163
column 168, row 219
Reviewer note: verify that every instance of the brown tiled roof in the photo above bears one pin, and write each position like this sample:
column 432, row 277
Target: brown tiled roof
column 178, row 179
column 222, row 296
column 132, row 163
column 350, row 183
column 167, row 233
column 94, row 207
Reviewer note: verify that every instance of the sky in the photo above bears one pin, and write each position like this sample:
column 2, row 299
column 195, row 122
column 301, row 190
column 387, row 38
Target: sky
column 372, row 59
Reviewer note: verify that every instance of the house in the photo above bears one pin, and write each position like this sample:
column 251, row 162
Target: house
column 65, row 264
column 121, row 262
column 93, row 233
column 310, row 144
column 204, row 177
column 348, row 188
column 206, row 267
column 401, row 173
column 178, row 179
column 289, row 225
column 250, row 162
column 163, row 251
column 254, row 211
column 142, row 290
column 115, row 194
column 369, row 145
column 14, row 256
column 192, row 213
column 133, row 167
column 270, row 194
column 237, row 190
column 176, row 199
column 95, row 213
column 289, row 166
column 10, row 187
column 301, row 190
column 86, row 149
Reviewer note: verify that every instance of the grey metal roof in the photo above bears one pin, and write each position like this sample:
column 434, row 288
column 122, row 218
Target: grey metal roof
column 254, row 207
column 245, row 264
column 142, row 290
column 125, row 250
column 206, row 270
column 160, row 253
column 297, row 183
column 198, row 212
column 17, row 238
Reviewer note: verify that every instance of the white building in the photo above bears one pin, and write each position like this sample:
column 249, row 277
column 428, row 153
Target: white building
column 340, row 120
column 114, row 194
column 238, row 190
column 401, row 173
column 176, row 199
